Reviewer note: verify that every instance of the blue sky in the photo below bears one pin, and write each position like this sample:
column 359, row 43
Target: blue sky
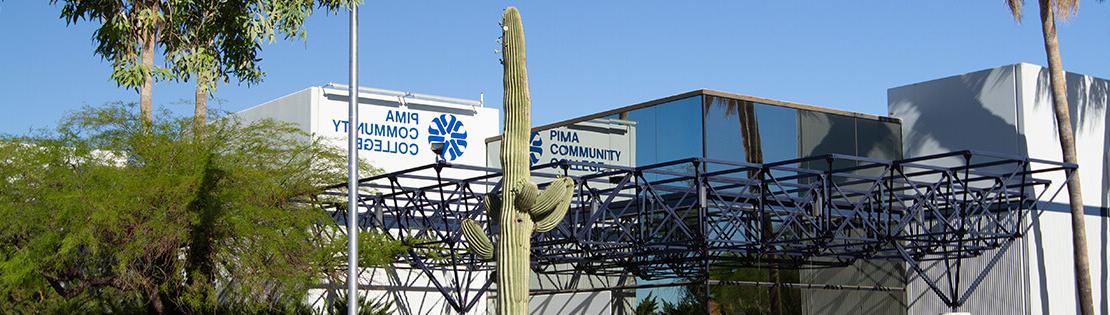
column 584, row 56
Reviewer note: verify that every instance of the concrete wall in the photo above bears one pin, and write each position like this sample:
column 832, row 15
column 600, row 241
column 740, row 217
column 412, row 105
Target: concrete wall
column 1009, row 110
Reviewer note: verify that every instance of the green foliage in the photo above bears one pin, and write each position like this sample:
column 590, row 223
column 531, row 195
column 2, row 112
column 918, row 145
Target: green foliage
column 100, row 216
column 648, row 306
column 690, row 302
column 735, row 299
column 215, row 37
column 214, row 40
column 119, row 38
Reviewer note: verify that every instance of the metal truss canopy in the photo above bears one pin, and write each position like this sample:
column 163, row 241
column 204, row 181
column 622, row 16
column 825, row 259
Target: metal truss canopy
column 677, row 219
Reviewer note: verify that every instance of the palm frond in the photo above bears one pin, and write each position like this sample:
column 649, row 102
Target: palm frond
column 1062, row 8
column 1015, row 8
column 1065, row 8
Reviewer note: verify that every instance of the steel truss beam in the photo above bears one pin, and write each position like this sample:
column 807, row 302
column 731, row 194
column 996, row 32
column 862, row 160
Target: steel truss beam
column 676, row 219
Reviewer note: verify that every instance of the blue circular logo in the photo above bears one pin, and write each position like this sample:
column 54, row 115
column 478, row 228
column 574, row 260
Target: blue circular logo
column 536, row 148
column 450, row 131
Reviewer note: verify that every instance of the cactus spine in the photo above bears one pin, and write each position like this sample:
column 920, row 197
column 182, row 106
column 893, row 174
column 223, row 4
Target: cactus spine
column 521, row 208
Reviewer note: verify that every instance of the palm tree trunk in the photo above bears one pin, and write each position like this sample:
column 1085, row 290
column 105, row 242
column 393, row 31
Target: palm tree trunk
column 1067, row 145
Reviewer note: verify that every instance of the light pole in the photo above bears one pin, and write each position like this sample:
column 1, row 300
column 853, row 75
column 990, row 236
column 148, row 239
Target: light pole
column 352, row 170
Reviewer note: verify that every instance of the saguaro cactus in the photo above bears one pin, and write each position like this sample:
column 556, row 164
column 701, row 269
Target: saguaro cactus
column 521, row 208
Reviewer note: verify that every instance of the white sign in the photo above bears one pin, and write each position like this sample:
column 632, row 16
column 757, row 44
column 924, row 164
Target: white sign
column 395, row 137
column 595, row 142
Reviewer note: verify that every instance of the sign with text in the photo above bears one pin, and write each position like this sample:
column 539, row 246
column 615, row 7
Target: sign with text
column 594, row 142
column 399, row 137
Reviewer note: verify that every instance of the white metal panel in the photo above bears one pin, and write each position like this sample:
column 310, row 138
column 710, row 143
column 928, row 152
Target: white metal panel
column 294, row 108
column 586, row 303
column 970, row 111
column 975, row 111
column 1053, row 283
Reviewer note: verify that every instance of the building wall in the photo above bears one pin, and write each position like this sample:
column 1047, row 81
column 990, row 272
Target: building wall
column 1008, row 110
column 971, row 111
column 1052, row 288
column 394, row 134
column 295, row 108
column 710, row 126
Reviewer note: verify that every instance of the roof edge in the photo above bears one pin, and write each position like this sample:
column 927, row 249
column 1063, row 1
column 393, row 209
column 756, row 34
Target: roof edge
column 709, row 92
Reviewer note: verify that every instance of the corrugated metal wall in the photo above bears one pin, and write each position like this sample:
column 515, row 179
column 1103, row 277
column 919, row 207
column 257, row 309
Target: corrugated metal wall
column 1002, row 290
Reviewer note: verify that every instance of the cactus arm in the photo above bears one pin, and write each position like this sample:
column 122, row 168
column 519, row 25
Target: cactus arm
column 551, row 196
column 552, row 219
column 476, row 238
column 526, row 194
column 493, row 207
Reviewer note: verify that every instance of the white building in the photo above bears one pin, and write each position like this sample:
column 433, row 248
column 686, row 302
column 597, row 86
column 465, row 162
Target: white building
column 1005, row 110
column 395, row 131
column 395, row 128
column 1009, row 110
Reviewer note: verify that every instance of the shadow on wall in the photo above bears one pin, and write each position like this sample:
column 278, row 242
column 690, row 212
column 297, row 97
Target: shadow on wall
column 1101, row 90
column 971, row 111
column 1087, row 101
column 952, row 123
column 979, row 111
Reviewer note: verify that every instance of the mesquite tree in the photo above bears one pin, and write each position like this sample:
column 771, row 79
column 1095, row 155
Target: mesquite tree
column 522, row 208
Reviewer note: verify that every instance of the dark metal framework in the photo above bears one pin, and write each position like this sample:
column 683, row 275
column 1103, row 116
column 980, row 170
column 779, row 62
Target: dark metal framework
column 676, row 220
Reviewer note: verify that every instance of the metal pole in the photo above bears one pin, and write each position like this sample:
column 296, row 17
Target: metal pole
column 352, row 171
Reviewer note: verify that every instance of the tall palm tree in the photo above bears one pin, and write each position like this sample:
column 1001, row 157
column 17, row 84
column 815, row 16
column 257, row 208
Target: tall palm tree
column 1050, row 9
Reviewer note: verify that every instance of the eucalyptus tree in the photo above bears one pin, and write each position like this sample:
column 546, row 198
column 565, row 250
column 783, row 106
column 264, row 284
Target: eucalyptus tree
column 215, row 40
column 129, row 35
column 1049, row 11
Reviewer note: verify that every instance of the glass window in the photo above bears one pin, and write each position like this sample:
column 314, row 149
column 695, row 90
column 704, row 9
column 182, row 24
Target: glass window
column 724, row 139
column 779, row 127
column 824, row 133
column 878, row 139
column 668, row 131
column 678, row 133
column 734, row 127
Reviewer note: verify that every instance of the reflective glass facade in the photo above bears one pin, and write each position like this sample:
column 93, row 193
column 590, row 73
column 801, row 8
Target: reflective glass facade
column 721, row 126
column 716, row 126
